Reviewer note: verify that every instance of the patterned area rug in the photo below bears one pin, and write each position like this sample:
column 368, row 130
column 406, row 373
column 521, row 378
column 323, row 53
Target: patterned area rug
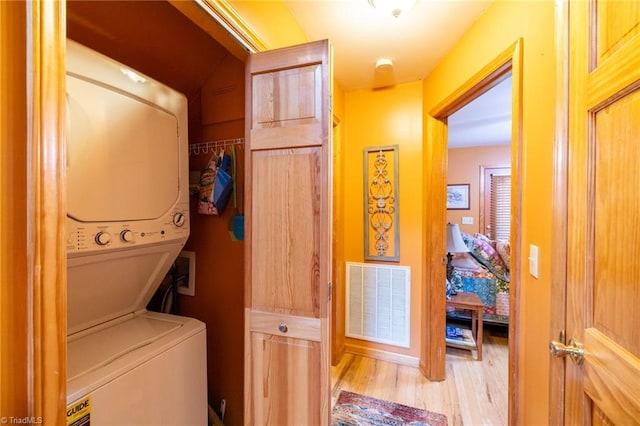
column 353, row 409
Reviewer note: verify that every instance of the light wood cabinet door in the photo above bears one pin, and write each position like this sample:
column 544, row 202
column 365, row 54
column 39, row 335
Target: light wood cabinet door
column 603, row 273
column 288, row 251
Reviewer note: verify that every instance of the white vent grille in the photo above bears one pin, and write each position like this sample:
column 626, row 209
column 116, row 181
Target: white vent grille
column 378, row 303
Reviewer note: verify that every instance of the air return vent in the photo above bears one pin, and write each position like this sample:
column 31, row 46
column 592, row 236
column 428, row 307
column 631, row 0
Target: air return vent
column 378, row 303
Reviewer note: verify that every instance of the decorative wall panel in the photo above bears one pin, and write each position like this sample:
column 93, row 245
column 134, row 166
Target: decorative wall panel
column 381, row 209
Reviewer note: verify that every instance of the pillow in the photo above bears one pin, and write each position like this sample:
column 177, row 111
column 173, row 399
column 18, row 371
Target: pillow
column 486, row 255
column 504, row 250
column 485, row 238
column 465, row 261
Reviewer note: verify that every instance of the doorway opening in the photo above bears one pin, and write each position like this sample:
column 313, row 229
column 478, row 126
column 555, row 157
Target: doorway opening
column 479, row 164
column 432, row 360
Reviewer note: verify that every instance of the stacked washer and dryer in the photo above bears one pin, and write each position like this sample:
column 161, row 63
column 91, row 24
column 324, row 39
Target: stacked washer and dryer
column 127, row 221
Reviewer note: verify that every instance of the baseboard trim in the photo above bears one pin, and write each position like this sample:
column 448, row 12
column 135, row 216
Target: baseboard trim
column 337, row 356
column 383, row 355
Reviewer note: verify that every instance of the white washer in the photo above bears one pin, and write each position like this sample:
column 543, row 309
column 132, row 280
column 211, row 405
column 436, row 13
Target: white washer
column 127, row 221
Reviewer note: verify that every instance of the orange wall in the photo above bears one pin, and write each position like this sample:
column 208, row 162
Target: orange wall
column 378, row 118
column 500, row 27
column 464, row 167
column 219, row 298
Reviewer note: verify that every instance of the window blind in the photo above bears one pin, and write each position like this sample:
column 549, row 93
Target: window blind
column 500, row 207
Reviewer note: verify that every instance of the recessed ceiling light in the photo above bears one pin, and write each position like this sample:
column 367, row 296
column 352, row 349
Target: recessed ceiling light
column 394, row 8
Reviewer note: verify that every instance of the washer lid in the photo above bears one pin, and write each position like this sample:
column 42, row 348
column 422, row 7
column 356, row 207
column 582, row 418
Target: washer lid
column 101, row 347
column 104, row 353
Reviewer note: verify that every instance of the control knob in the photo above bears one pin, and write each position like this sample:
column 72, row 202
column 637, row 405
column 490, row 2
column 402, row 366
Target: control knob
column 178, row 219
column 103, row 238
column 126, row 236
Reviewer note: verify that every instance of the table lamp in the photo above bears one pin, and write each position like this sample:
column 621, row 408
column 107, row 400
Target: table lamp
column 455, row 244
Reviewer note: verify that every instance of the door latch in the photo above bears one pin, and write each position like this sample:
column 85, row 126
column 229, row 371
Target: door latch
column 574, row 349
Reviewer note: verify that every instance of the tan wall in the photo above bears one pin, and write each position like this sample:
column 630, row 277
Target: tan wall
column 499, row 28
column 464, row 167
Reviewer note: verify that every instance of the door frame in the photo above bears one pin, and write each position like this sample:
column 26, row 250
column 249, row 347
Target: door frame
column 49, row 256
column 36, row 294
column 14, row 300
column 559, row 225
column 432, row 350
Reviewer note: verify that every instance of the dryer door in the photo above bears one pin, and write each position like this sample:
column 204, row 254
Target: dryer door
column 122, row 159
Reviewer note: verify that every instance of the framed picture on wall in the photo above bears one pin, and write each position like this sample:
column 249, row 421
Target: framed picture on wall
column 458, row 197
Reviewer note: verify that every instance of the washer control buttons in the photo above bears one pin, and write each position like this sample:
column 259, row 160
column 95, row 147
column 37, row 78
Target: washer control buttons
column 103, row 238
column 126, row 236
column 178, row 219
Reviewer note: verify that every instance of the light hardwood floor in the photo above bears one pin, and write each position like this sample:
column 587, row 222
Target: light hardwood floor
column 474, row 392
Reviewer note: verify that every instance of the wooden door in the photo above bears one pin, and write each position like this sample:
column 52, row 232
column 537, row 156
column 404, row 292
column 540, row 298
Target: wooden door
column 288, row 251
column 603, row 271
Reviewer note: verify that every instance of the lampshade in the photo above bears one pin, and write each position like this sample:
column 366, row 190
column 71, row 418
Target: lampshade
column 455, row 244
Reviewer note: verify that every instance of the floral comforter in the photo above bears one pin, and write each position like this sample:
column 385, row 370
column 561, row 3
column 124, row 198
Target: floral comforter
column 490, row 280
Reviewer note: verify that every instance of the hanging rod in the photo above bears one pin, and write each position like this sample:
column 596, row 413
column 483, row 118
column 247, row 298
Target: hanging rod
column 213, row 146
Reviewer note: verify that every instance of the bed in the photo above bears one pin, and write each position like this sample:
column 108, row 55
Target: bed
column 484, row 271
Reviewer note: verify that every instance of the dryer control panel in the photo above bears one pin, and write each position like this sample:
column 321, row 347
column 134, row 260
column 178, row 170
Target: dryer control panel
column 100, row 236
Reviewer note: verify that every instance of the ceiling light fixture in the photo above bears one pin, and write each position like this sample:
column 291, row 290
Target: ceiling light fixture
column 384, row 64
column 394, row 8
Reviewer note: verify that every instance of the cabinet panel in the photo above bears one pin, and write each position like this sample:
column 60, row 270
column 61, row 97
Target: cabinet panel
column 286, row 399
column 286, row 223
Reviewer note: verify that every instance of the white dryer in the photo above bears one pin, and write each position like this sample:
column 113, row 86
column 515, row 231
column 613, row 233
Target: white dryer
column 127, row 221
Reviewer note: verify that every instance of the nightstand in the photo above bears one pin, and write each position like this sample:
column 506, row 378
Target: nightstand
column 470, row 302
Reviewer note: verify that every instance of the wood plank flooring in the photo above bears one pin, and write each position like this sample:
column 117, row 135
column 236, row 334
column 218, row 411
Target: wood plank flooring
column 474, row 392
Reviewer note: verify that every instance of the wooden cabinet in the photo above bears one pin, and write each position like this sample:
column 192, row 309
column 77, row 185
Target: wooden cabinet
column 288, row 251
